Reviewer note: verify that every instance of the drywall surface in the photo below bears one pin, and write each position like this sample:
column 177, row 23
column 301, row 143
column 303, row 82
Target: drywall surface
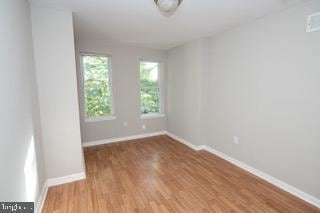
column 264, row 88
column 21, row 158
column 186, row 71
column 126, row 90
column 56, row 77
column 262, row 84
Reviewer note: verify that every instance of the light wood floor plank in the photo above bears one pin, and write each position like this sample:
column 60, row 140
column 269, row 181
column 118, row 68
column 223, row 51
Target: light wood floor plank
column 159, row 174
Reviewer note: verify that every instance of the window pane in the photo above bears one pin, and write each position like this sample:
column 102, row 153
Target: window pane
column 150, row 91
column 96, row 86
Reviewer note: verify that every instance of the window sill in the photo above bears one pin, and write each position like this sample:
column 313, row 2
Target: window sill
column 97, row 119
column 150, row 116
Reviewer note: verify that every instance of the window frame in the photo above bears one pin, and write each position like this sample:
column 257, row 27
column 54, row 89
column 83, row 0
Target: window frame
column 159, row 114
column 112, row 113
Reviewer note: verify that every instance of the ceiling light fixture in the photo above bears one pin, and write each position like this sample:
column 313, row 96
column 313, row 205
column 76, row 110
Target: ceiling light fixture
column 168, row 5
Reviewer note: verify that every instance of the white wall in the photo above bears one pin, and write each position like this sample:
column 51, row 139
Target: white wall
column 186, row 90
column 56, row 77
column 21, row 159
column 126, row 90
column 263, row 87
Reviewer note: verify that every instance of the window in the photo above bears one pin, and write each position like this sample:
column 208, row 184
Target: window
column 97, row 87
column 150, row 88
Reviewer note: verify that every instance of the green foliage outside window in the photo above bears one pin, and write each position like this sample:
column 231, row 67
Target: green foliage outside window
column 97, row 91
column 96, row 86
column 150, row 92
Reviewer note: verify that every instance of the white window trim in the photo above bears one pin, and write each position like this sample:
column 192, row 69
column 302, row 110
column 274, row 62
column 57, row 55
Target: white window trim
column 152, row 115
column 161, row 113
column 100, row 118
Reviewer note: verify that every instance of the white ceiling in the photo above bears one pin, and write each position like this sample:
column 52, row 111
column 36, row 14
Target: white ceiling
column 141, row 23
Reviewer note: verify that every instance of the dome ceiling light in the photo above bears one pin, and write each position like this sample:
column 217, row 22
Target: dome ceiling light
column 168, row 6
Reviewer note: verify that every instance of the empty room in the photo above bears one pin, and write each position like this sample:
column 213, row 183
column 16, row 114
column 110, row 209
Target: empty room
column 160, row 106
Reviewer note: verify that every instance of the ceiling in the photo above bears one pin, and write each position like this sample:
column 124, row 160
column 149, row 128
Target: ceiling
column 140, row 22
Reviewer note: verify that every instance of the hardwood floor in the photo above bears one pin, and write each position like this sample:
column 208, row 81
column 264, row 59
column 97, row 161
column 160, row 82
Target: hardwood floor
column 159, row 174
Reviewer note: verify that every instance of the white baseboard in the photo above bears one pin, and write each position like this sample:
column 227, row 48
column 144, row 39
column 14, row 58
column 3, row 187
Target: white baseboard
column 181, row 140
column 54, row 182
column 282, row 185
column 66, row 179
column 121, row 139
column 42, row 198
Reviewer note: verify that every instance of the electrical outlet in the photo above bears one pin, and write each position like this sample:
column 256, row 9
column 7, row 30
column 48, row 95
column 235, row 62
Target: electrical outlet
column 144, row 126
column 236, row 140
column 125, row 124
